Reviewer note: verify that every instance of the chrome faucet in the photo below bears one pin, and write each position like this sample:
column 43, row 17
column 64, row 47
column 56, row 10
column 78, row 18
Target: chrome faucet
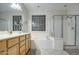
column 10, row 31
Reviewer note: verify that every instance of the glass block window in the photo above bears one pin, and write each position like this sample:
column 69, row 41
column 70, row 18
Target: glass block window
column 38, row 23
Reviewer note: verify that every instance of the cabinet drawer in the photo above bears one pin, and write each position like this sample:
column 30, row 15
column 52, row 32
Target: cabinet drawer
column 2, row 45
column 13, row 50
column 22, row 50
column 22, row 37
column 13, row 41
column 22, row 43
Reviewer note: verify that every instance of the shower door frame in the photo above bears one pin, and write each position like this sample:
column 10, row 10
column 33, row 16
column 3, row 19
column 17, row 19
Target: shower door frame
column 62, row 27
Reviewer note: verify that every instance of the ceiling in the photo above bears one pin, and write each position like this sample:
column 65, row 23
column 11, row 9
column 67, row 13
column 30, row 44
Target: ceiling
column 50, row 6
column 33, row 7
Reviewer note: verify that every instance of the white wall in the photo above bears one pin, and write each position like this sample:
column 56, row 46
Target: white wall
column 73, row 9
column 26, row 17
column 49, row 18
column 39, row 36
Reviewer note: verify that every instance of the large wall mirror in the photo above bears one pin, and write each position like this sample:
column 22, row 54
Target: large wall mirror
column 10, row 18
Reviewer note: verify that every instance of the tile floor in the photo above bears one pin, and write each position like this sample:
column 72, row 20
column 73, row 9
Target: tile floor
column 48, row 52
column 72, row 51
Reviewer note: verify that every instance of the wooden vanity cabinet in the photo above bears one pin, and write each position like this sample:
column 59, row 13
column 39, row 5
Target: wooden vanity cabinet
column 14, row 50
column 13, row 41
column 28, row 43
column 22, row 45
column 13, row 46
column 22, row 50
column 22, row 37
column 3, row 47
column 19, row 45
column 27, row 48
column 28, row 38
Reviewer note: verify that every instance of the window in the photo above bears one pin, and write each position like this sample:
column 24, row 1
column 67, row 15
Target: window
column 38, row 23
column 17, row 23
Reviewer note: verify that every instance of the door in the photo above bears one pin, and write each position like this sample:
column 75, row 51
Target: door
column 69, row 30
column 58, row 26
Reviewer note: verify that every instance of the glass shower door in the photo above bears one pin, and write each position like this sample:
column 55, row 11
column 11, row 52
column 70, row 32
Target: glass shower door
column 77, row 30
column 69, row 30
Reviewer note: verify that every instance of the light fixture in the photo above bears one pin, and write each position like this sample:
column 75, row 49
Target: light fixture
column 65, row 5
column 16, row 6
column 38, row 6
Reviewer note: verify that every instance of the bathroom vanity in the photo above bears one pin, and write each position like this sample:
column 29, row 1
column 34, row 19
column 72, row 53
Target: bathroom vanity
column 15, row 44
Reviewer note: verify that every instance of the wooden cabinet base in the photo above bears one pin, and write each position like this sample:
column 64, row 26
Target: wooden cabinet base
column 19, row 45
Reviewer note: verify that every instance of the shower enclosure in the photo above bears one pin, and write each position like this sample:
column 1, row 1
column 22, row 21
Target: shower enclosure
column 67, row 27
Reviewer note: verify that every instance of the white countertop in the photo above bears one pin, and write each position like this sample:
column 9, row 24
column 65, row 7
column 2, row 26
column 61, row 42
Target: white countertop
column 7, row 36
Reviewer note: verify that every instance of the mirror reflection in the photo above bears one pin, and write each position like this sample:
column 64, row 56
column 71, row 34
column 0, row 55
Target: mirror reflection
column 10, row 17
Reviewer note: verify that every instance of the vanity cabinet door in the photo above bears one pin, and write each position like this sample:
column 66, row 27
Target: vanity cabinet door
column 13, row 41
column 3, row 47
column 22, row 43
column 28, row 40
column 22, row 50
column 14, row 50
column 28, row 43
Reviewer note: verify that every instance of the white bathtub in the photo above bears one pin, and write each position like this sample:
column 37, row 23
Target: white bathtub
column 41, row 40
column 48, row 47
column 41, row 44
column 48, row 44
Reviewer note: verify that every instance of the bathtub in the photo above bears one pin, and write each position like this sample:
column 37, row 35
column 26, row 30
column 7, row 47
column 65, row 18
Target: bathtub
column 42, row 44
column 53, row 46
column 41, row 41
column 57, row 43
column 48, row 44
